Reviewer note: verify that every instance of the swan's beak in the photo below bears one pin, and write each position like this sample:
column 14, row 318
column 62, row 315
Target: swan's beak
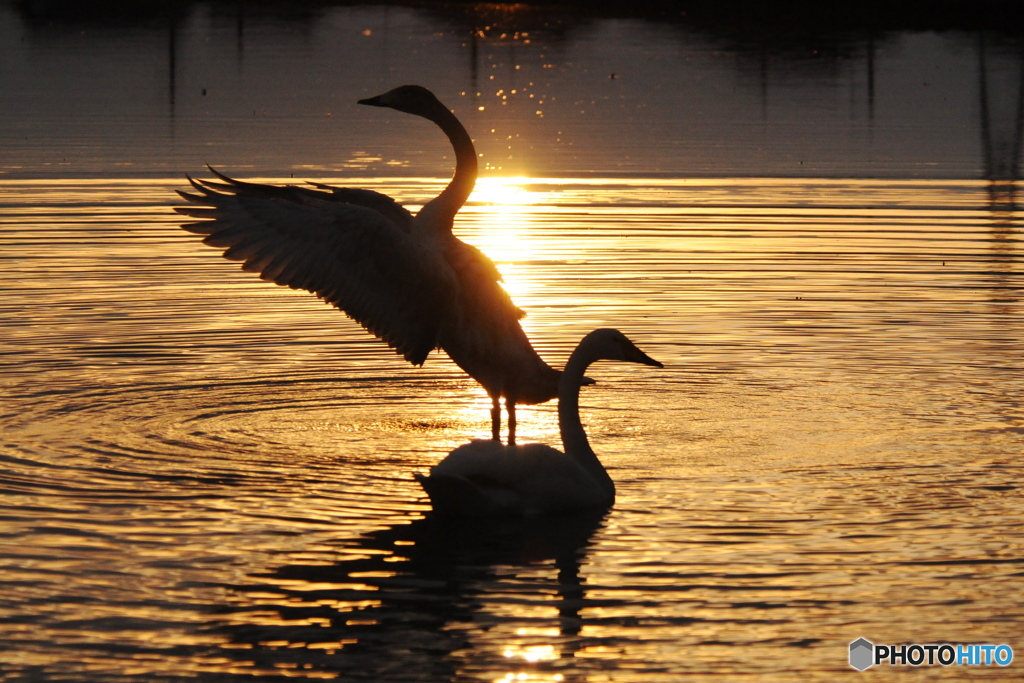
column 635, row 355
column 372, row 101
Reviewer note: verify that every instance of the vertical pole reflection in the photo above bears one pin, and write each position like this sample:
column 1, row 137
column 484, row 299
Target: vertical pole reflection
column 1001, row 95
column 764, row 82
column 1001, row 107
column 239, row 31
column 172, row 67
column 870, row 66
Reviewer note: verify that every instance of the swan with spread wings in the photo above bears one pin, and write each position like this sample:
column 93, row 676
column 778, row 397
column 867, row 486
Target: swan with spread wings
column 405, row 278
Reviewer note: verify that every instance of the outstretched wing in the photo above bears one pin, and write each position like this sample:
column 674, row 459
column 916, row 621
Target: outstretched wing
column 381, row 203
column 347, row 253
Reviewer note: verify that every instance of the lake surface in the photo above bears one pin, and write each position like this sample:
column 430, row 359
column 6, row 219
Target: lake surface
column 208, row 477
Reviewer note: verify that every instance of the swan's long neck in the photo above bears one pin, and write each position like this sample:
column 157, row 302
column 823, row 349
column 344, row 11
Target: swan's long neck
column 574, row 438
column 444, row 207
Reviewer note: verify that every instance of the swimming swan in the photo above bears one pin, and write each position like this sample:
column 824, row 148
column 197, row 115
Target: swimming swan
column 406, row 279
column 484, row 478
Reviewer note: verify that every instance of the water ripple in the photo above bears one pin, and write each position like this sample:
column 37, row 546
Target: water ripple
column 205, row 476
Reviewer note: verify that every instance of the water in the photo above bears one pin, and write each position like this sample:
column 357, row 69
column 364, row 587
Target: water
column 208, row 477
column 204, row 474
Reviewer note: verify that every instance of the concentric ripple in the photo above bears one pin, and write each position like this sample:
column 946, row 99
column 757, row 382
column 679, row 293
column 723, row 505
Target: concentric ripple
column 208, row 477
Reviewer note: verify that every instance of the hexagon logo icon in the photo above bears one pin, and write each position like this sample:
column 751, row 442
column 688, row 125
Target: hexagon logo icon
column 862, row 654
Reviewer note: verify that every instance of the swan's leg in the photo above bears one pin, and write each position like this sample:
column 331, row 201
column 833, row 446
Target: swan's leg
column 496, row 419
column 510, row 406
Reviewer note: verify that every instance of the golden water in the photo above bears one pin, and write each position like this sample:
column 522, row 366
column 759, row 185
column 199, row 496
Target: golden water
column 207, row 476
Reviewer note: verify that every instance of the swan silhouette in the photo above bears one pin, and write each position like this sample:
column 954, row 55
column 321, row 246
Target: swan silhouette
column 406, row 279
column 484, row 478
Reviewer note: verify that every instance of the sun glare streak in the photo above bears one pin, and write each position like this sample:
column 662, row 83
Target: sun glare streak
column 531, row 653
column 524, row 676
column 502, row 214
column 504, row 192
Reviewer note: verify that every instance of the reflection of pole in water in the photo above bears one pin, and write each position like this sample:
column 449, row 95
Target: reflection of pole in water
column 172, row 68
column 764, row 83
column 239, row 32
column 1001, row 94
column 870, row 66
column 1001, row 91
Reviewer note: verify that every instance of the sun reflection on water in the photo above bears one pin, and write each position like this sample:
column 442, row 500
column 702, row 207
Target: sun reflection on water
column 834, row 437
column 531, row 653
column 530, row 676
column 504, row 191
column 501, row 217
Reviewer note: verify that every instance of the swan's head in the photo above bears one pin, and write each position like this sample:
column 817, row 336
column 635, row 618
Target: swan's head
column 609, row 344
column 411, row 99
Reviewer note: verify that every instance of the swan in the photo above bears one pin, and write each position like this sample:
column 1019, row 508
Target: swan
column 406, row 279
column 484, row 478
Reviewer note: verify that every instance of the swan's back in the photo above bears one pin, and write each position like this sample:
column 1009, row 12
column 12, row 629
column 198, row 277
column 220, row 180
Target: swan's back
column 487, row 478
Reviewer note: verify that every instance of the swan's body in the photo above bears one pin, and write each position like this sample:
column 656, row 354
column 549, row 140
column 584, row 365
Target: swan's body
column 484, row 478
column 407, row 279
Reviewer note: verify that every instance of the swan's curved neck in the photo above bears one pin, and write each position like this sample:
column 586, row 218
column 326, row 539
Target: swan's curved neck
column 444, row 207
column 574, row 438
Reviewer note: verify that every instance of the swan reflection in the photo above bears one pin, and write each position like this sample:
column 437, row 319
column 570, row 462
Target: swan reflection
column 408, row 599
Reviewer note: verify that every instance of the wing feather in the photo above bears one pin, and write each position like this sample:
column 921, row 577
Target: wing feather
column 361, row 260
column 381, row 203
